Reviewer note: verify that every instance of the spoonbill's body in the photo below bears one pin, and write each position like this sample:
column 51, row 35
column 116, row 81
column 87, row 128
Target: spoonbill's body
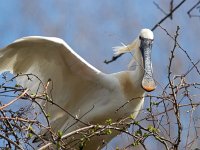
column 77, row 86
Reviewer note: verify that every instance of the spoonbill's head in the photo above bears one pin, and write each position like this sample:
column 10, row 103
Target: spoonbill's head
column 142, row 46
column 145, row 46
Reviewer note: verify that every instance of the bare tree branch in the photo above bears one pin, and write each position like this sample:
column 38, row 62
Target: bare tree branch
column 167, row 16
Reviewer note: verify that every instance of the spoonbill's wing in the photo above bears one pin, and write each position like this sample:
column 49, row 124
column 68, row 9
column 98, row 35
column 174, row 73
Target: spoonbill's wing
column 73, row 79
column 44, row 56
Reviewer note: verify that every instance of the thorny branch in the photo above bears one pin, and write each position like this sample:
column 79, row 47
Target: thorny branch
column 157, row 121
column 188, row 56
column 162, row 119
column 173, row 91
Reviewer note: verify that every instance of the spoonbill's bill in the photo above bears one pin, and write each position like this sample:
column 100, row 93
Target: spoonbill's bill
column 77, row 86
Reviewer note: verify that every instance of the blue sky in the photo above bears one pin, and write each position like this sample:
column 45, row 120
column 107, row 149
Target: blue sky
column 93, row 27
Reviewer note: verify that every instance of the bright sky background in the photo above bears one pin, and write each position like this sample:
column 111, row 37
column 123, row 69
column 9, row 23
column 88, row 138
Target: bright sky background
column 93, row 27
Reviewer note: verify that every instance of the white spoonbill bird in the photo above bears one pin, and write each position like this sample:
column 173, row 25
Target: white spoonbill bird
column 77, row 86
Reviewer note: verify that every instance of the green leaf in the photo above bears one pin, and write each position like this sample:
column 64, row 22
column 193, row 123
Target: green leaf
column 155, row 103
column 132, row 116
column 145, row 135
column 135, row 143
column 96, row 127
column 109, row 121
column 29, row 135
column 60, row 133
column 48, row 115
column 138, row 132
column 136, row 122
column 58, row 145
column 152, row 129
column 30, row 128
column 17, row 85
column 149, row 109
column 108, row 131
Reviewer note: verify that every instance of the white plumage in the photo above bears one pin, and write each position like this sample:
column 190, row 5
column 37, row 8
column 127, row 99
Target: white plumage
column 78, row 86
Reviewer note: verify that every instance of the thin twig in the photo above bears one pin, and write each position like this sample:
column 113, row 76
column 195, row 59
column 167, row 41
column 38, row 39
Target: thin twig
column 113, row 59
column 10, row 141
column 188, row 56
column 189, row 11
column 156, row 4
column 167, row 16
column 11, row 102
column 171, row 8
